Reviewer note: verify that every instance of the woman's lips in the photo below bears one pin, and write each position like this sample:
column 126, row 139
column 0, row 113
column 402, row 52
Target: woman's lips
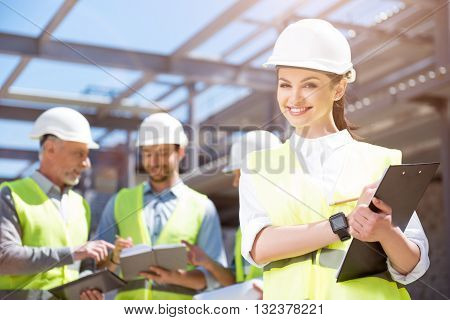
column 298, row 111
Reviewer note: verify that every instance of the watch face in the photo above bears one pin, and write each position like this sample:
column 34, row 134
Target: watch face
column 339, row 223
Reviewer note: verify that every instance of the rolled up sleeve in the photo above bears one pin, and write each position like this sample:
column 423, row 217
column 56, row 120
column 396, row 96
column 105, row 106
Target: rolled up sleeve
column 253, row 218
column 416, row 234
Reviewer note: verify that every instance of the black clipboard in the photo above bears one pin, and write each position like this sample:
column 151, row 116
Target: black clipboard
column 103, row 280
column 402, row 187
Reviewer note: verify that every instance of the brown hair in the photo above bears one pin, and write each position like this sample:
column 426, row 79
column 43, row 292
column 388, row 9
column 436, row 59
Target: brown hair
column 339, row 117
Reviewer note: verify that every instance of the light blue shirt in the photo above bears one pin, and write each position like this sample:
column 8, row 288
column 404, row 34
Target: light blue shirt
column 158, row 208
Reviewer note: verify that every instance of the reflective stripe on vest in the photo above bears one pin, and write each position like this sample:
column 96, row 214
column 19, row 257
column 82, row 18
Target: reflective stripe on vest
column 42, row 226
column 328, row 258
column 292, row 197
column 241, row 274
column 184, row 224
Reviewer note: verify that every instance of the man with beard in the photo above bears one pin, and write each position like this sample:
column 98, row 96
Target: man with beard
column 163, row 210
column 44, row 225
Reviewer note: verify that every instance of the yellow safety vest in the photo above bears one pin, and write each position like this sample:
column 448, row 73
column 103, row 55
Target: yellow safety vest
column 292, row 197
column 242, row 274
column 184, row 224
column 42, row 226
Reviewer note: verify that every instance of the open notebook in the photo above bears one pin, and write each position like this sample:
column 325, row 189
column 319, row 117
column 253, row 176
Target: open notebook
column 140, row 257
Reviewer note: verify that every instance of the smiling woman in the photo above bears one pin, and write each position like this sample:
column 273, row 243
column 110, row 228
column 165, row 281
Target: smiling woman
column 291, row 218
column 307, row 96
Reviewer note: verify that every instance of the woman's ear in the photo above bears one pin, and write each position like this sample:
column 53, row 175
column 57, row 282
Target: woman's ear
column 340, row 90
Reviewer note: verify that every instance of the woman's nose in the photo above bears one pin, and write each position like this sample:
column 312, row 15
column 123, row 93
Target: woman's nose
column 297, row 97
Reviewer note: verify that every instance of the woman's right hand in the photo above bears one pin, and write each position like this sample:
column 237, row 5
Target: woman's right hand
column 367, row 225
column 119, row 245
column 367, row 194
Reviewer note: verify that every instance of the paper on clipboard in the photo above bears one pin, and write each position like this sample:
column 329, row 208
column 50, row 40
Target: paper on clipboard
column 239, row 291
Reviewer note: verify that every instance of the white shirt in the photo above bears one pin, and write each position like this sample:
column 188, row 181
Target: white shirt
column 323, row 159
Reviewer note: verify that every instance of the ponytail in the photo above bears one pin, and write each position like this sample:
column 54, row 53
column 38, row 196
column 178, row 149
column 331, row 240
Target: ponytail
column 342, row 123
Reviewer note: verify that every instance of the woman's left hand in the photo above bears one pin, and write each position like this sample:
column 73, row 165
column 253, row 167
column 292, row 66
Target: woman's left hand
column 368, row 226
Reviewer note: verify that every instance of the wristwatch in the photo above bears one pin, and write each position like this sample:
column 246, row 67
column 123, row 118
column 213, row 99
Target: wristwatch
column 339, row 225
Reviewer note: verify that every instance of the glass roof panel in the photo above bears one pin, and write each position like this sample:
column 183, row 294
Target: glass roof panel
column 11, row 168
column 217, row 98
column 15, row 135
column 97, row 132
column 267, row 10
column 150, row 91
column 7, row 65
column 312, row 9
column 170, row 78
column 181, row 113
column 264, row 40
column 226, row 38
column 31, row 168
column 200, row 86
column 26, row 17
column 366, row 13
column 82, row 79
column 175, row 97
column 259, row 61
column 114, row 138
column 152, row 26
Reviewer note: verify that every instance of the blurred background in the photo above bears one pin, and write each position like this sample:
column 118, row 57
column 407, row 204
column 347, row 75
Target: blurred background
column 118, row 61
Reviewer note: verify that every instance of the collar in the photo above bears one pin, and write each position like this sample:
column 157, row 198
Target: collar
column 46, row 185
column 177, row 189
column 329, row 142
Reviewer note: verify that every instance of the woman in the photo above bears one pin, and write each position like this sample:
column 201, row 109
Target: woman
column 291, row 196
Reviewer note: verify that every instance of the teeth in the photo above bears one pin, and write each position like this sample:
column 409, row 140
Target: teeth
column 293, row 109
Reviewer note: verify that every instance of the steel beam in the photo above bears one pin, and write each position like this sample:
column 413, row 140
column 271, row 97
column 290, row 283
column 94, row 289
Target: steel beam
column 14, row 75
column 133, row 88
column 13, row 112
column 210, row 30
column 17, row 154
column 100, row 103
column 43, row 37
column 56, row 20
column 192, row 69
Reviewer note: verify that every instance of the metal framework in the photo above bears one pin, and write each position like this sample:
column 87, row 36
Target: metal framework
column 367, row 45
column 403, row 64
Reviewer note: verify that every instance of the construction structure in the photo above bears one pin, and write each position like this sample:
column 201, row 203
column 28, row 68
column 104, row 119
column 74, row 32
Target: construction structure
column 207, row 72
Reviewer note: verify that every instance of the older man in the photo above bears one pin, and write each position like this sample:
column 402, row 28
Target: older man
column 44, row 225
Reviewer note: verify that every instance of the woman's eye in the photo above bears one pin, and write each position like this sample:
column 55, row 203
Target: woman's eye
column 310, row 85
column 284, row 85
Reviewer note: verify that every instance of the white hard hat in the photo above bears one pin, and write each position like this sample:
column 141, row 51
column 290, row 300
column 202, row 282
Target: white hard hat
column 313, row 44
column 66, row 124
column 161, row 128
column 249, row 142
